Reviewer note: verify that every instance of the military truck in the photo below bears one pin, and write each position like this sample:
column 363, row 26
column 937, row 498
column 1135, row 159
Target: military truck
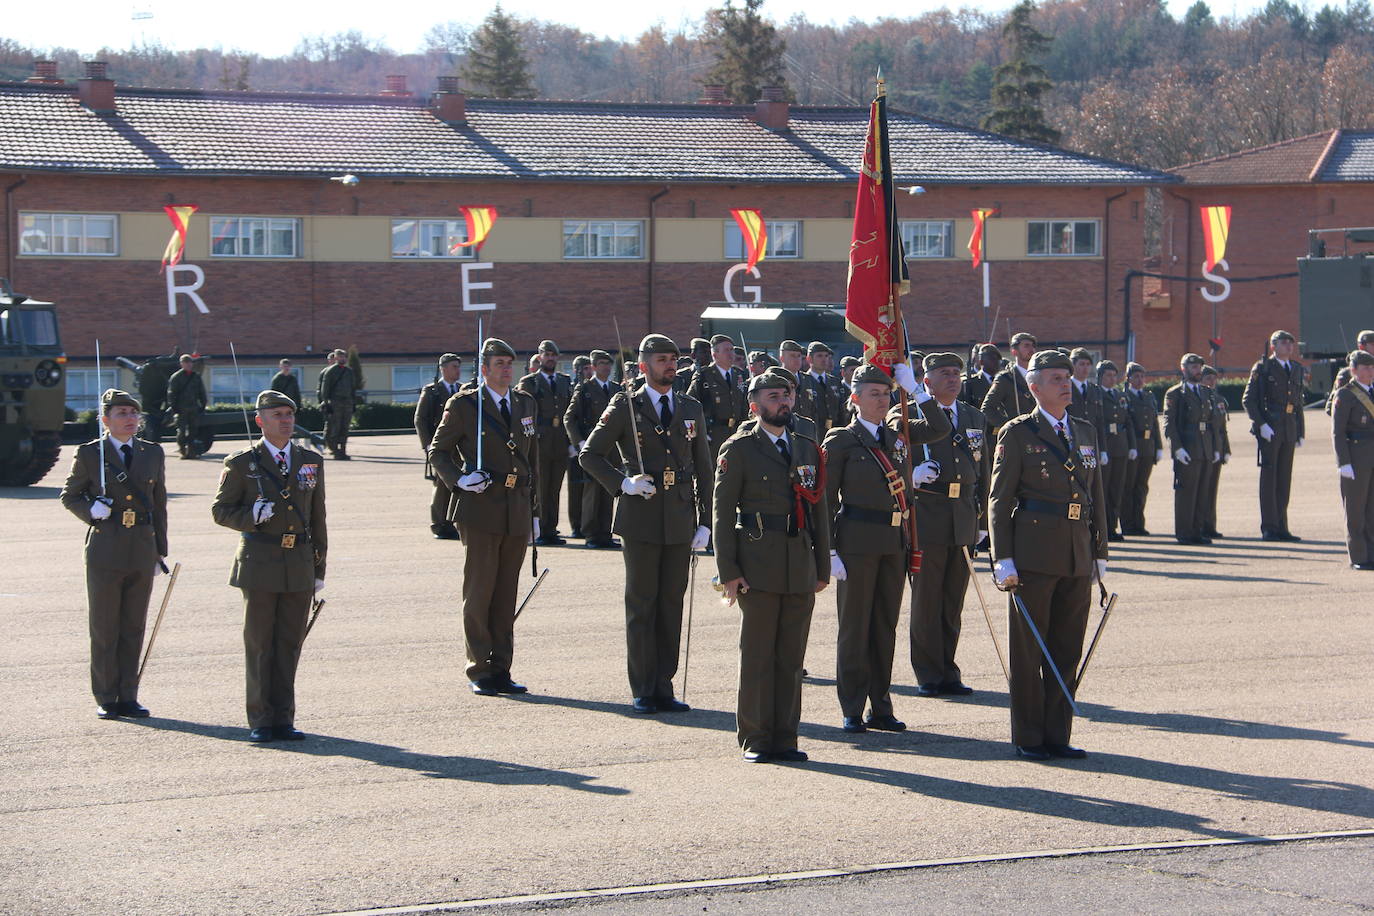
column 33, row 388
column 1335, row 298
column 764, row 326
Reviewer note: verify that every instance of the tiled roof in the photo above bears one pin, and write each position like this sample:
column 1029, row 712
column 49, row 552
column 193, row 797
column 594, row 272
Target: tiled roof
column 255, row 133
column 1351, row 157
column 1286, row 162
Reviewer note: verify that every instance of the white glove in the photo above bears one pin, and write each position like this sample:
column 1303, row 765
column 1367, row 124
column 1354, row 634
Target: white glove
column 1101, row 570
column 638, row 485
column 475, row 482
column 159, row 567
column 1003, row 570
column 1159, row 454
column 1182, row 456
column 701, row 537
column 262, row 510
column 925, row 472
column 1132, row 455
column 982, row 536
column 572, row 451
column 100, row 508
column 1347, row 471
column 1226, row 458
column 581, row 445
column 1105, row 458
column 1299, row 443
column 319, row 586
column 837, row 570
column 1266, row 432
column 1216, row 457
column 905, row 377
column 535, row 523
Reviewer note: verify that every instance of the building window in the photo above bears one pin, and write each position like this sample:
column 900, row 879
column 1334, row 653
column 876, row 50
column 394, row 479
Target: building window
column 84, row 387
column 603, row 239
column 224, row 385
column 429, row 238
column 784, row 239
column 95, row 234
column 406, row 382
column 928, row 238
column 254, row 237
column 1061, row 237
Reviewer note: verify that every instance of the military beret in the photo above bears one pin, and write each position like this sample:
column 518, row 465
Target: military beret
column 114, row 397
column 1078, row 353
column 598, row 355
column 869, row 374
column 495, row 346
column 819, row 345
column 1050, row 359
column 335, row 353
column 450, row 358
column 684, row 361
column 783, row 374
column 1281, row 335
column 582, row 361
column 917, row 354
column 1066, row 351
column 1365, row 337
column 1208, row 370
column 720, row 339
column 270, row 398
column 1104, row 365
column 550, row 346
column 1361, row 358
column 657, row 343
column 791, row 345
column 769, row 379
column 848, row 361
column 989, row 348
column 699, row 342
column 739, row 351
column 1133, row 368
column 1020, row 336
column 1189, row 358
column 943, row 360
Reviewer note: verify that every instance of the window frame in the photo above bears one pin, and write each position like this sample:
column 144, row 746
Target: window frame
column 732, row 234
column 106, row 378
column 465, row 253
column 948, row 240
column 296, row 235
column 50, row 216
column 616, row 226
column 242, row 380
column 402, row 394
column 1049, row 230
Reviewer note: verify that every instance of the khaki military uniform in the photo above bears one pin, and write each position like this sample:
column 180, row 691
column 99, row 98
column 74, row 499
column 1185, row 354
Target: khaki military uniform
column 336, row 391
column 1273, row 395
column 1144, row 416
column 975, row 389
column 286, row 383
column 1352, row 434
column 1188, row 425
column 551, row 404
column 656, row 532
column 122, row 553
column 589, row 401
column 807, row 403
column 758, row 535
column 186, row 397
column 1221, row 446
column 429, row 410
column 1009, row 397
column 829, row 400
column 1117, row 438
column 725, row 401
column 1053, row 523
column 276, row 566
column 495, row 524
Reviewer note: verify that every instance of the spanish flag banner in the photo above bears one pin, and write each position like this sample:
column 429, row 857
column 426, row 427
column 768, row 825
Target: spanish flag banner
column 755, row 232
column 176, row 245
column 479, row 220
column 977, row 243
column 1216, row 229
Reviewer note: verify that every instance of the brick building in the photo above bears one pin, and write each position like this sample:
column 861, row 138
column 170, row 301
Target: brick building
column 605, row 209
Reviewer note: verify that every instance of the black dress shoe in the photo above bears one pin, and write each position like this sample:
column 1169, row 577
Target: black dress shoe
column 551, row 540
column 1135, row 532
column 1271, row 536
column 1191, row 541
column 506, row 685
column 670, row 704
column 645, row 706
column 484, row 687
column 1288, row 536
column 130, row 709
column 790, row 756
column 1214, row 535
column 854, row 724
column 110, row 710
column 1113, row 536
column 1204, row 540
column 885, row 723
column 1067, row 751
column 1365, row 566
column 576, row 532
column 607, row 544
column 956, row 688
column 261, row 735
column 928, row 690
column 1032, row 752
column 756, row 757
column 287, row 733
column 444, row 532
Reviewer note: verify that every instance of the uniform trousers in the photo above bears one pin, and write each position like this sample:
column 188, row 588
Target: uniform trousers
column 1190, row 495
column 118, row 612
column 491, row 578
column 1136, row 491
column 577, row 484
column 273, row 631
column 937, row 610
column 1059, row 606
column 336, row 425
column 553, row 465
column 869, row 602
column 1275, row 481
column 1209, row 508
column 597, row 509
column 188, row 422
column 772, row 645
column 1358, row 498
column 655, row 581
column 1114, row 477
column 438, row 505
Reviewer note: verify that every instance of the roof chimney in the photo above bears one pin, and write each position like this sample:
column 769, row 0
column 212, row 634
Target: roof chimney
column 95, row 90
column 396, row 85
column 713, row 94
column 449, row 104
column 771, row 109
column 45, row 71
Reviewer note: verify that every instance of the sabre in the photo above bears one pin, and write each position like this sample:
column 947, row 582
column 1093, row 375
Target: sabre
column 157, row 624
column 987, row 616
column 101, row 422
column 316, row 605
column 243, row 406
column 630, row 396
column 530, row 594
column 481, row 395
column 1107, row 604
column 1044, row 649
column 691, row 601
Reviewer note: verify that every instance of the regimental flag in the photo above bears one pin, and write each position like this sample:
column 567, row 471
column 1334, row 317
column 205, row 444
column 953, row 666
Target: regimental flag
column 479, row 220
column 1216, row 228
column 877, row 261
column 755, row 232
column 977, row 242
column 176, row 245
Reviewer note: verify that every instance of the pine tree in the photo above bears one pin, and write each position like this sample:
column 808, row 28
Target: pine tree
column 496, row 65
column 747, row 49
column 1022, row 84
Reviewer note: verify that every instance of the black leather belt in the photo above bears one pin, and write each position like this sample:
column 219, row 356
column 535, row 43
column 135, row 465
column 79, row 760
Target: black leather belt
column 760, row 521
column 889, row 517
column 128, row 518
column 1071, row 511
column 285, row 541
column 942, row 489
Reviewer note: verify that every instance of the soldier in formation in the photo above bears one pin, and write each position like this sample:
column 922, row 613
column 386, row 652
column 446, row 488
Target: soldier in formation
column 552, row 392
column 589, row 401
column 827, row 391
column 1118, row 445
column 1009, row 395
column 337, row 388
column 978, row 380
column 429, row 410
column 187, row 399
column 1188, row 425
column 1221, row 452
column 1352, row 435
column 577, row 478
column 720, row 389
column 285, row 381
column 1144, row 414
column 1273, row 400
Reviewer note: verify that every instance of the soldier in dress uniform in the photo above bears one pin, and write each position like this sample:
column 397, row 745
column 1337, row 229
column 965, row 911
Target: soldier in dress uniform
column 826, row 388
column 701, row 356
column 186, row 397
column 273, row 493
column 1364, row 342
column 1009, row 395
column 497, row 512
column 577, row 478
column 552, row 391
column 589, row 402
column 1352, row 434
column 847, row 367
column 772, row 536
column 978, row 380
column 1221, row 451
column 1188, row 427
column 428, row 411
column 742, row 361
column 125, row 544
column 285, row 381
column 805, row 402
column 1087, row 395
column 663, row 515
column 336, row 390
column 1118, row 445
column 720, row 389
column 1049, row 541
column 1273, row 399
column 1144, row 414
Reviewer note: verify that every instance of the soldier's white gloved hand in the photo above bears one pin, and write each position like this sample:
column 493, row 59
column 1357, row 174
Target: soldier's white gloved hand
column 1132, row 455
column 262, row 510
column 1266, row 432
column 906, row 377
column 701, row 538
column 1299, row 443
column 1182, row 456
column 1004, row 570
column 475, row 482
column 1216, row 457
column 982, row 536
column 572, row 451
column 581, row 445
column 1105, row 458
column 638, row 485
column 1347, row 471
column 925, row 472
column 837, row 570
column 1159, row 454
column 319, row 586
column 534, row 527
column 100, row 508
column 1101, row 570
column 159, row 567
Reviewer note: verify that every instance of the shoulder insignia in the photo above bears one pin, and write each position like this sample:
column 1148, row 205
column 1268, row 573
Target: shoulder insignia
column 721, row 464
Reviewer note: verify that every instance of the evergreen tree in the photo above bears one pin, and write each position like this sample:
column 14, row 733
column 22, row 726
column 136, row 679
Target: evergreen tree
column 747, row 49
column 1022, row 84
column 496, row 65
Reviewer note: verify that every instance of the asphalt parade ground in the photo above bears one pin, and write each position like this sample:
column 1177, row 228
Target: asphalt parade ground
column 1230, row 698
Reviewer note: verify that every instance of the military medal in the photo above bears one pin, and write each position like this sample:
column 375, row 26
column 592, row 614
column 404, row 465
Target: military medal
column 669, row 477
column 1089, row 462
column 307, row 475
column 129, row 518
column 690, row 428
column 527, row 425
column 806, row 473
column 510, row 480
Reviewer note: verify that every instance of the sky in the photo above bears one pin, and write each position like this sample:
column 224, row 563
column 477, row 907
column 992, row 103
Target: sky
column 273, row 28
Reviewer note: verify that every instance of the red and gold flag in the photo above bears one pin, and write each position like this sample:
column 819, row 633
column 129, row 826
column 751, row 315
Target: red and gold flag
column 977, row 243
column 479, row 220
column 755, row 232
column 1216, row 228
column 176, row 245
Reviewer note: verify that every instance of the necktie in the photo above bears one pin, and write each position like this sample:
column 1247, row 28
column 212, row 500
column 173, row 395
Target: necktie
column 505, row 412
column 127, row 451
column 281, row 463
column 785, row 452
column 882, row 437
column 606, row 387
column 949, row 412
column 665, row 414
column 1064, row 435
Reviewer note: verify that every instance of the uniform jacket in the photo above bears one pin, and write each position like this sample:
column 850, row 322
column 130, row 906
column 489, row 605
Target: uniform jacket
column 854, row 477
column 1027, row 466
column 589, row 402
column 111, row 545
column 1221, row 436
column 1144, row 413
column 551, row 403
column 429, row 410
column 185, row 391
column 673, row 513
column 262, row 562
column 1118, row 430
column 726, row 404
column 940, row 518
column 499, row 509
column 975, row 388
column 1273, row 395
column 1352, row 429
column 829, row 400
column 1087, row 405
column 807, row 402
column 336, row 384
column 286, row 383
column 751, row 477
column 1008, row 397
column 1188, row 421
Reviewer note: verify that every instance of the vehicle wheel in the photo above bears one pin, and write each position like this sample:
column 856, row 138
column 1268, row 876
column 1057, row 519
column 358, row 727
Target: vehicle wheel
column 36, row 457
column 204, row 438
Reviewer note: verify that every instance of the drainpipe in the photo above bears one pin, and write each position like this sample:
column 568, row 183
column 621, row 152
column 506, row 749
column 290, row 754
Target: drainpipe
column 653, row 236
column 1188, row 287
column 11, row 230
column 1107, row 267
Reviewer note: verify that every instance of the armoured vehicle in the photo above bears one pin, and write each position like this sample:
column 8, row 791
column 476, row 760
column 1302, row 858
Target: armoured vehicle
column 1336, row 298
column 33, row 388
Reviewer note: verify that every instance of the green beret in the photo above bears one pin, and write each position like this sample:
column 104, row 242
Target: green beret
column 598, row 355
column 114, row 397
column 818, row 345
column 791, row 345
column 699, row 342
column 1080, row 353
column 657, row 343
column 783, row 374
column 720, row 339
column 1189, row 358
column 942, row 360
column 770, row 379
column 848, row 361
column 495, row 346
column 1365, row 337
column 550, row 346
column 869, row 374
column 582, row 361
column 271, row 398
column 1066, row 351
column 989, row 348
column 1133, row 368
column 917, row 354
column 1104, row 365
column 1281, row 335
column 449, row 358
column 739, row 351
column 1361, row 358
column 1020, row 336
column 1208, row 370
column 1050, row 359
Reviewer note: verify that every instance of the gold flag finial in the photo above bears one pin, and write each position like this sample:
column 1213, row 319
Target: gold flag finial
column 882, row 83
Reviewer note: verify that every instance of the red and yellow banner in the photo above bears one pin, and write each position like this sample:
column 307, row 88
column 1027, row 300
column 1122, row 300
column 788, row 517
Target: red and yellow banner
column 1216, row 229
column 479, row 220
column 977, row 242
column 755, row 232
column 176, row 245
